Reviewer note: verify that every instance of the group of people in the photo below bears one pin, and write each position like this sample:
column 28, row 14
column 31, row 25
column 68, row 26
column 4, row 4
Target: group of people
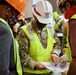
column 37, row 41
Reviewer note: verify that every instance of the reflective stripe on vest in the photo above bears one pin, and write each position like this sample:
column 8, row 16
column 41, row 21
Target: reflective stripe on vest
column 57, row 25
column 51, row 29
column 37, row 52
column 16, row 50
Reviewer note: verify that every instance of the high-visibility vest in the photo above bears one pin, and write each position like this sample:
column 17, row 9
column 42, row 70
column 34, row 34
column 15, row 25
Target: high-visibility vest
column 67, row 49
column 56, row 26
column 36, row 50
column 16, row 50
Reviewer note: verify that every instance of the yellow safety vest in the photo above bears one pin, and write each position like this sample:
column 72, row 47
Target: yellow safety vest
column 67, row 49
column 16, row 50
column 56, row 26
column 36, row 50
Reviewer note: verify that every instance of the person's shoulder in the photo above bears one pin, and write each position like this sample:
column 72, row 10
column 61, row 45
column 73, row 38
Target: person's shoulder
column 3, row 26
column 4, row 29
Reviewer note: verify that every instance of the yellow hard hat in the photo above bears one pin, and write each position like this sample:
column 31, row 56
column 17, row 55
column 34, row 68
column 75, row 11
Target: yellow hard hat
column 55, row 15
column 19, row 5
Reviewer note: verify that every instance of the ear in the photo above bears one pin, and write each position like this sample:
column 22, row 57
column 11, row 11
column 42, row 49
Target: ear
column 7, row 11
column 68, row 6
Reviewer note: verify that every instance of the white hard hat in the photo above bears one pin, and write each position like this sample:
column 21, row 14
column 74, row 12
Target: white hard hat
column 43, row 11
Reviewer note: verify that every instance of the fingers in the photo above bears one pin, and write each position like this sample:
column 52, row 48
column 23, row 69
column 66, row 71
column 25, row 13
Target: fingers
column 55, row 59
column 63, row 58
column 40, row 66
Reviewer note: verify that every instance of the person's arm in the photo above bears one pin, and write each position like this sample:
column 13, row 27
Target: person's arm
column 24, row 44
column 5, row 44
column 64, row 39
column 55, row 54
column 57, row 48
column 56, row 51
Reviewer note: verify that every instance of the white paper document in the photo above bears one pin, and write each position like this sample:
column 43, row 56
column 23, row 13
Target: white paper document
column 58, row 68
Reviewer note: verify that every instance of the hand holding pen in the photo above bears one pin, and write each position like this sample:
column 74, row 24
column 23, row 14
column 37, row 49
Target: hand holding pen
column 55, row 59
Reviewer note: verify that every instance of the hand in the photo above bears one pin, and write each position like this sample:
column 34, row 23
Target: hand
column 39, row 66
column 63, row 58
column 15, row 27
column 55, row 59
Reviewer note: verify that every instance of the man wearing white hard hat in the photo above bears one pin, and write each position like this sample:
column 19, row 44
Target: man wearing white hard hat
column 36, row 40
